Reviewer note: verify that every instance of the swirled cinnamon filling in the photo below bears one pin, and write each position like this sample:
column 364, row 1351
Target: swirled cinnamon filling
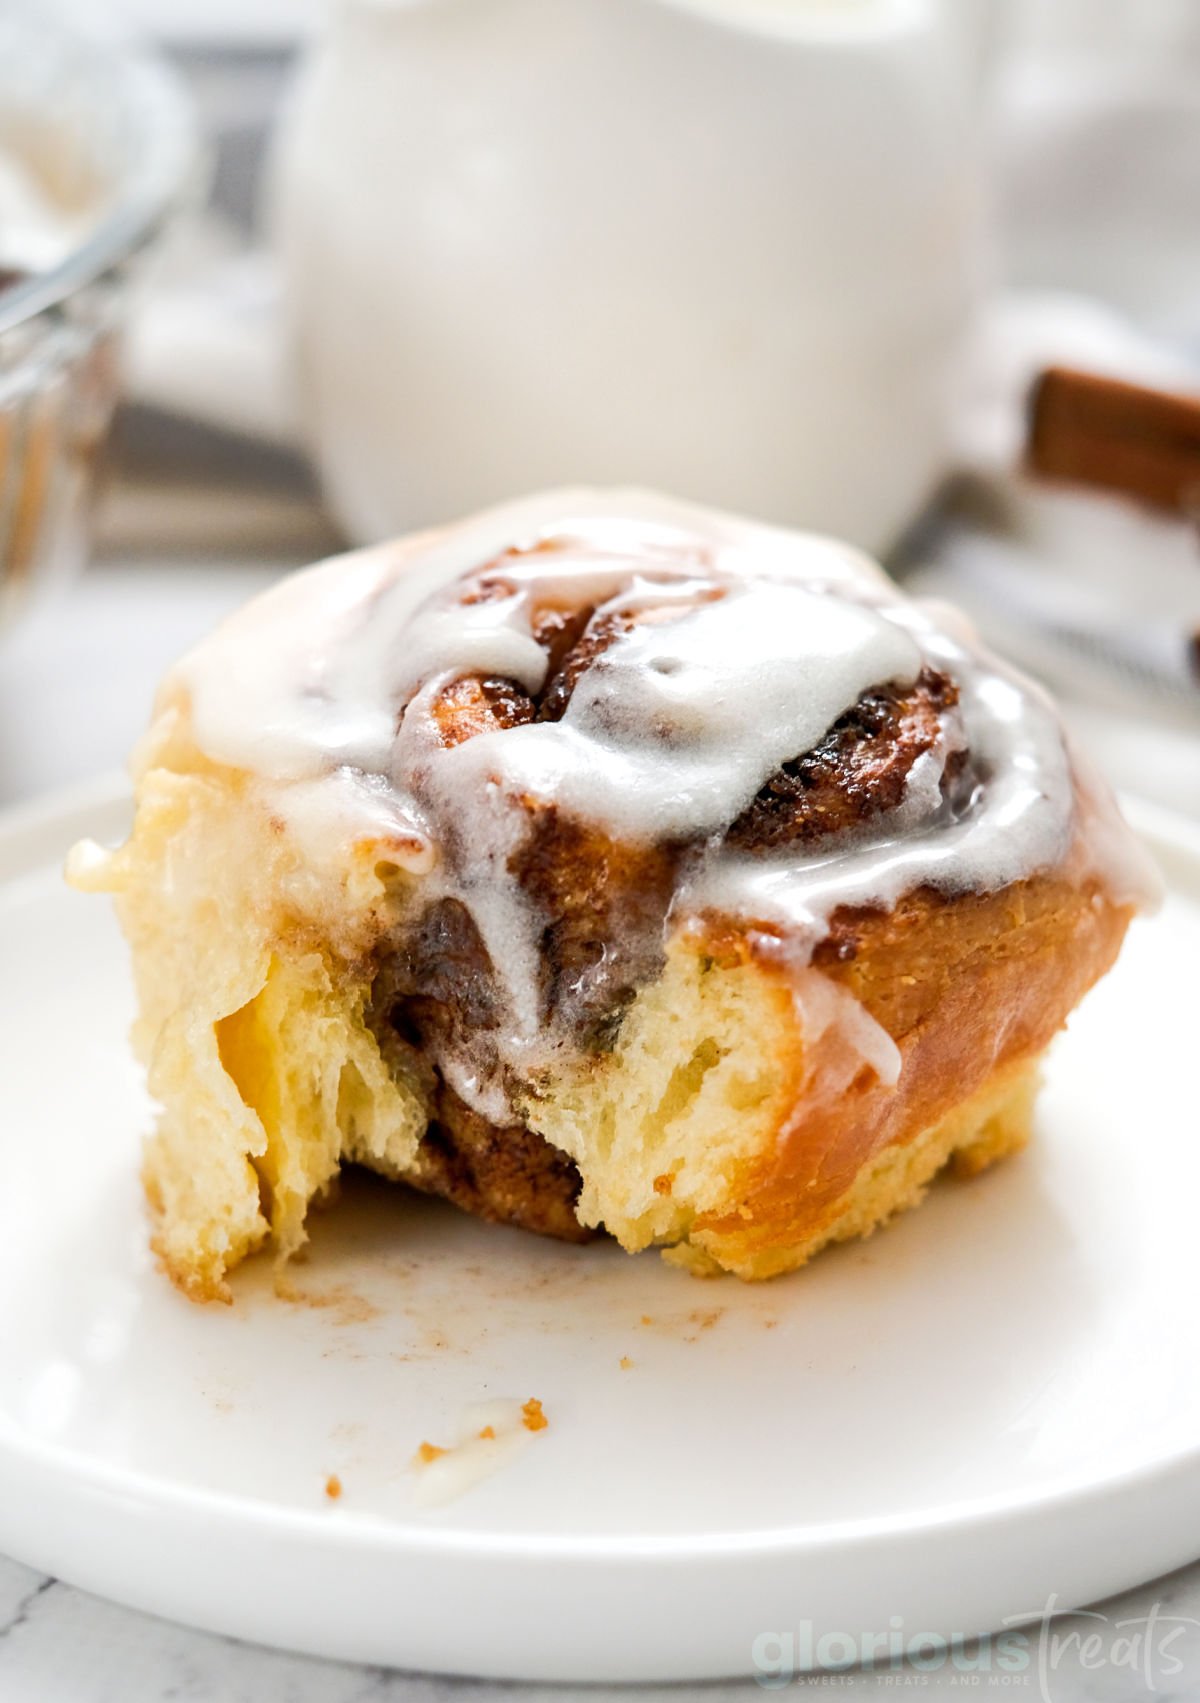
column 584, row 733
column 601, row 862
column 600, row 906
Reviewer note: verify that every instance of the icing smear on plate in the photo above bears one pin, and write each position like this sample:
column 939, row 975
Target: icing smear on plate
column 490, row 1435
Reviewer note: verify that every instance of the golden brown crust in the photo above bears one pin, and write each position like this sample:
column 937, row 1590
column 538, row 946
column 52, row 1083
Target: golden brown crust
column 966, row 987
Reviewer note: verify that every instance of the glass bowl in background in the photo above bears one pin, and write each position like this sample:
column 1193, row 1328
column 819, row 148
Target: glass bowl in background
column 96, row 149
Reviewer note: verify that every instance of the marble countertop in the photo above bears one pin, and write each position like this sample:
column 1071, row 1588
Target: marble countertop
column 74, row 689
column 58, row 1645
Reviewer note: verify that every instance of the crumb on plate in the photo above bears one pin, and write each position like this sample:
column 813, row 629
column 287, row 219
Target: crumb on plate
column 532, row 1416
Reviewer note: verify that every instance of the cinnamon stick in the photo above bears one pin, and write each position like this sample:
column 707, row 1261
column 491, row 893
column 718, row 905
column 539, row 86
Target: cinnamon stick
column 1116, row 437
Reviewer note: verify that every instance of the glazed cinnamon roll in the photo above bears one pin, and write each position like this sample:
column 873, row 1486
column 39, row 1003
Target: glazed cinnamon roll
column 601, row 864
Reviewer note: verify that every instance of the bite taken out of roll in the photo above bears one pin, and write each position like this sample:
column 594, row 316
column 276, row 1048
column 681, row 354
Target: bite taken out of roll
column 602, row 864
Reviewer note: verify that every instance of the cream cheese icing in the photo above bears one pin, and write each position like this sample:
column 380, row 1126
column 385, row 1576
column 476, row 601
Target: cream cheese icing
column 324, row 690
column 672, row 731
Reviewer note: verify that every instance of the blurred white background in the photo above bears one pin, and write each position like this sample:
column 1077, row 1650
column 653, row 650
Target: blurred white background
column 1090, row 126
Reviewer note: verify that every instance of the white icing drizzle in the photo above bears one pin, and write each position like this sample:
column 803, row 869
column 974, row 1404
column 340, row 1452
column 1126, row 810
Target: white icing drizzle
column 672, row 732
column 756, row 642
column 1020, row 821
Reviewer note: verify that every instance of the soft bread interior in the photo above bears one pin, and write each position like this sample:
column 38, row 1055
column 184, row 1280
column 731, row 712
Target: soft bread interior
column 253, row 1027
column 700, row 1075
column 708, row 1067
column 250, row 1030
column 304, row 1062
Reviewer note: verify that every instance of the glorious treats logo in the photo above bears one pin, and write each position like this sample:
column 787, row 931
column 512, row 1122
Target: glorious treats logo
column 1036, row 1652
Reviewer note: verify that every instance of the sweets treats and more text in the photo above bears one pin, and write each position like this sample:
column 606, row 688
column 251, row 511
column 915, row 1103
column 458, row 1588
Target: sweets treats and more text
column 602, row 864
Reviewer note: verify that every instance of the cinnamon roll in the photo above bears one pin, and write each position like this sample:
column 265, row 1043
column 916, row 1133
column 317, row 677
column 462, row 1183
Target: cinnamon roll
column 601, row 864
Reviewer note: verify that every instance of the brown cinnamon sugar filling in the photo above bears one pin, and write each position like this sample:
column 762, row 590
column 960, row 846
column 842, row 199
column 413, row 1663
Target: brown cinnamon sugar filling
column 857, row 772
column 602, row 905
column 431, row 996
column 505, row 1173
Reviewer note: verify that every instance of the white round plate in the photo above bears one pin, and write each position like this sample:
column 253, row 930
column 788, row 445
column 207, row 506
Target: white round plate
column 994, row 1402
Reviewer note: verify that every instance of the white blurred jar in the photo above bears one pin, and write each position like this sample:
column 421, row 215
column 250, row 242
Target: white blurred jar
column 725, row 247
column 1097, row 146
